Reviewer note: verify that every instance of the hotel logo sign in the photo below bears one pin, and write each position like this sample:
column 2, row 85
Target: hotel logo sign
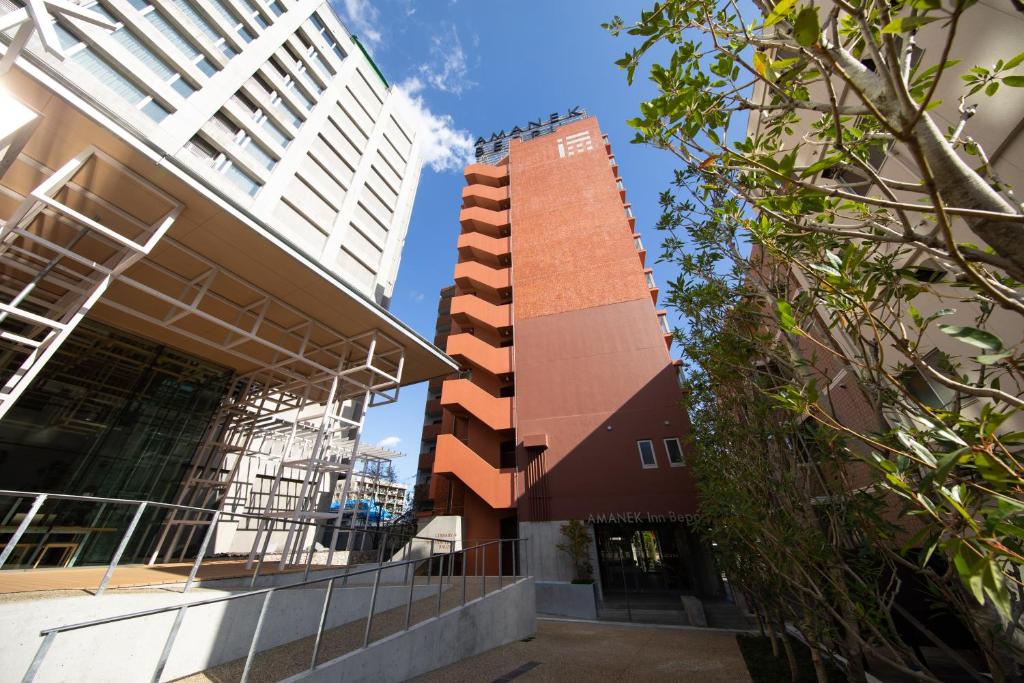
column 577, row 143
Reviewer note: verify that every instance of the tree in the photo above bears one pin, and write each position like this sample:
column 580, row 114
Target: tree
column 577, row 547
column 800, row 256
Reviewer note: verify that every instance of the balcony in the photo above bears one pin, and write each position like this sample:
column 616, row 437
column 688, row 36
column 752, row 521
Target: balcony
column 472, row 311
column 494, row 251
column 496, row 487
column 476, row 276
column 493, row 198
column 651, row 285
column 470, row 349
column 485, row 174
column 485, row 221
column 461, row 395
column 640, row 250
column 431, row 431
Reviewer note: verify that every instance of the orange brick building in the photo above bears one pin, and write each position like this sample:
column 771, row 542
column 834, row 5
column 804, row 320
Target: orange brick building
column 568, row 406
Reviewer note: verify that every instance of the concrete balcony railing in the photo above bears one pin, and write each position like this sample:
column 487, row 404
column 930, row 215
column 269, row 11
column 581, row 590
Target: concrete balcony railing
column 470, row 275
column 431, row 431
column 493, row 251
column 473, row 311
column 494, row 198
column 486, row 221
column 454, row 458
column 485, row 174
column 464, row 396
column 473, row 350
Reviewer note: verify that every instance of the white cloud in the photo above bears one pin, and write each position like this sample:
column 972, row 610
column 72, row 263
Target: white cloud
column 448, row 71
column 389, row 441
column 362, row 18
column 444, row 147
column 416, row 296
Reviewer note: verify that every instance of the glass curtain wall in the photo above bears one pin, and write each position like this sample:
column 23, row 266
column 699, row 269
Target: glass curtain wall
column 110, row 415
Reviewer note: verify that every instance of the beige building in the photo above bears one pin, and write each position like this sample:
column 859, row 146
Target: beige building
column 989, row 31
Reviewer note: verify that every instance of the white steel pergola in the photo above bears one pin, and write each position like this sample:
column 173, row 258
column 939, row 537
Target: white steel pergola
column 94, row 230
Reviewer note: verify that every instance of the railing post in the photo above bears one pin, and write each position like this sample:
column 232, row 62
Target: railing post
column 408, row 605
column 483, row 591
column 465, row 573
column 383, row 549
column 515, row 573
column 309, row 558
column 121, row 548
column 37, row 661
column 162, row 662
column 256, row 636
column 501, row 568
column 20, row 531
column 263, row 553
column 323, row 620
column 440, row 585
column 430, row 561
column 373, row 605
column 202, row 550
column 408, row 552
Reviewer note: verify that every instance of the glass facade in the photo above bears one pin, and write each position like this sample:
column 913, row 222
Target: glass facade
column 110, row 415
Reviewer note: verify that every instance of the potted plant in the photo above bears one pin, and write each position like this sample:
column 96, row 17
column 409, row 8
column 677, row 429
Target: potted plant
column 577, row 547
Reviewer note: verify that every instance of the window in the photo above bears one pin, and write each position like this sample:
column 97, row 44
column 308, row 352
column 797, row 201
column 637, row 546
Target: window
column 629, row 211
column 638, row 244
column 663, row 322
column 233, row 21
column 650, row 280
column 675, row 453
column 180, row 41
column 926, row 390
column 328, row 37
column 647, row 459
column 188, row 9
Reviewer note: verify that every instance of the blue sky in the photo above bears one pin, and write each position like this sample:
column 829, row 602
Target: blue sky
column 472, row 67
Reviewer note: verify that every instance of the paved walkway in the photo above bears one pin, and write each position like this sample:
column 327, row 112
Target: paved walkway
column 567, row 651
column 130, row 575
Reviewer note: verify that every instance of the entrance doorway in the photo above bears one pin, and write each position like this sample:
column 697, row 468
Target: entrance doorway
column 653, row 564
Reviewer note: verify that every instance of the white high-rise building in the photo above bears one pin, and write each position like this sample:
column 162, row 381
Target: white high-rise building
column 273, row 104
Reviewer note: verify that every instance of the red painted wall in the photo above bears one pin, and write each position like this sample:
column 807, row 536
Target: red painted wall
column 589, row 352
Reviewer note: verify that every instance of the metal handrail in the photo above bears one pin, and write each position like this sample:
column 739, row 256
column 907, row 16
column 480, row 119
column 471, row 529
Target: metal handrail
column 50, row 634
column 216, row 516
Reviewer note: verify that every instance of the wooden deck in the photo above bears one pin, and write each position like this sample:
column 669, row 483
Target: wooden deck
column 130, row 575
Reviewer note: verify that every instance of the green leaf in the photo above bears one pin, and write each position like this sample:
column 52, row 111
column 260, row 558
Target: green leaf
column 990, row 358
column 1014, row 81
column 778, row 14
column 786, row 319
column 907, row 24
column 974, row 337
column 991, row 88
column 806, row 28
column 1014, row 62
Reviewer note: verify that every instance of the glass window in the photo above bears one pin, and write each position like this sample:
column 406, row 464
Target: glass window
column 650, row 280
column 926, row 390
column 647, row 459
column 638, row 244
column 663, row 322
column 675, row 452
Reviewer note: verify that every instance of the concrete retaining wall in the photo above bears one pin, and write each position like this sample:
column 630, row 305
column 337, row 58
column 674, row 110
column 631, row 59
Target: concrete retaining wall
column 564, row 599
column 502, row 617
column 209, row 635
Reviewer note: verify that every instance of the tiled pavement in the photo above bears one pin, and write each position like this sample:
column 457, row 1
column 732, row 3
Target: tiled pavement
column 590, row 651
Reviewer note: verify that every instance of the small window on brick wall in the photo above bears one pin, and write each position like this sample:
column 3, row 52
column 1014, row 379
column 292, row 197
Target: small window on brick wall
column 675, row 452
column 646, row 448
